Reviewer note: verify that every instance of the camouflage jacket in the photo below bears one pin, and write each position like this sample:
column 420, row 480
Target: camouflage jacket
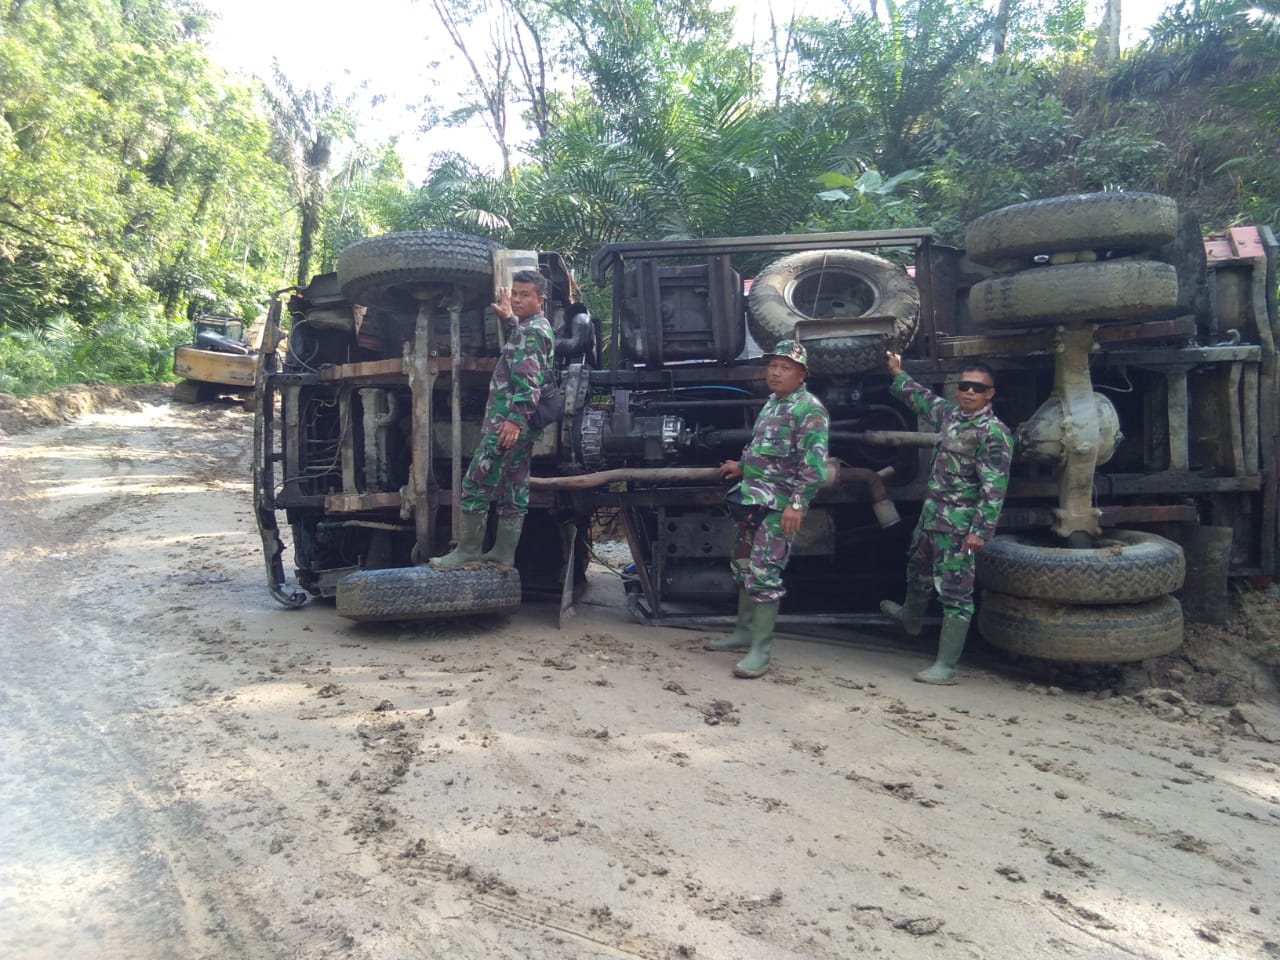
column 786, row 458
column 519, row 373
column 970, row 472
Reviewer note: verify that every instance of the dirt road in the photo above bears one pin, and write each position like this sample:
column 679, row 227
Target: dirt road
column 190, row 771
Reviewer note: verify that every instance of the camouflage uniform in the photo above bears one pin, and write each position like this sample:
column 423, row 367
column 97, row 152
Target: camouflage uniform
column 502, row 476
column 784, row 462
column 967, row 484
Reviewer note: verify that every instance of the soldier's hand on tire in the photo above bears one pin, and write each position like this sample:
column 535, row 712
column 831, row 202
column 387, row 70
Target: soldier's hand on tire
column 730, row 470
column 972, row 544
column 893, row 361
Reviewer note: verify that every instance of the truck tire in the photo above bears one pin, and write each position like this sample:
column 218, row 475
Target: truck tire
column 1114, row 221
column 1123, row 633
column 425, row 593
column 1125, row 566
column 1073, row 292
column 386, row 271
column 816, row 284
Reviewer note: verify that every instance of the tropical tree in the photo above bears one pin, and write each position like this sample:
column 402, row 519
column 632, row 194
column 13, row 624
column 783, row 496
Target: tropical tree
column 130, row 171
column 458, row 195
column 501, row 43
column 307, row 126
column 887, row 75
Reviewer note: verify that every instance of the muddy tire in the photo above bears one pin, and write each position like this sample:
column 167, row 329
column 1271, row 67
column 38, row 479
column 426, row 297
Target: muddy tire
column 1125, row 566
column 425, row 593
column 1110, row 290
column 822, row 284
column 1123, row 633
column 1109, row 223
column 386, row 271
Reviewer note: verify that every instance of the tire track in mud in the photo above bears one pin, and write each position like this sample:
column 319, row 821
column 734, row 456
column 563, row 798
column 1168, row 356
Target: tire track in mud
column 265, row 784
column 99, row 858
column 415, row 860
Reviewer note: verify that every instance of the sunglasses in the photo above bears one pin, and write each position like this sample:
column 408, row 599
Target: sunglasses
column 973, row 386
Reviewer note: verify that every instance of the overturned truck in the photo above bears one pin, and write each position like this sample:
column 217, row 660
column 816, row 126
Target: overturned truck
column 1136, row 361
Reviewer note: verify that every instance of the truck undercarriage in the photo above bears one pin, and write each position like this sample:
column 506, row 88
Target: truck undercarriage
column 1152, row 413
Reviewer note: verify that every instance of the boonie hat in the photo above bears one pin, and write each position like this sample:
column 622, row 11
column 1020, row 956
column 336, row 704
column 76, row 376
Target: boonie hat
column 792, row 350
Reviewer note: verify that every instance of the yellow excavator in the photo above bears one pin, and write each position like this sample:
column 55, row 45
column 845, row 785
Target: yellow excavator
column 221, row 360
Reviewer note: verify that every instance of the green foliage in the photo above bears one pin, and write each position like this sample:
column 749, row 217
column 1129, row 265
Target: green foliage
column 125, row 348
column 1049, row 31
column 1119, row 156
column 868, row 203
column 307, row 127
column 137, row 184
column 130, row 173
column 459, row 196
column 895, row 70
column 996, row 139
column 710, row 162
column 367, row 197
column 1256, row 85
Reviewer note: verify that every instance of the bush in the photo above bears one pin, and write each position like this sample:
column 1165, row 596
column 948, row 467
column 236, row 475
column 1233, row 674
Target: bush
column 125, row 348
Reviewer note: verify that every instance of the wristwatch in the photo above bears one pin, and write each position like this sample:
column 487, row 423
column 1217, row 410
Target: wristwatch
column 797, row 504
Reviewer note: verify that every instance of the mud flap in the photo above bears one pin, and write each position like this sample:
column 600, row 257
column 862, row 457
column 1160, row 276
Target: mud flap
column 569, row 534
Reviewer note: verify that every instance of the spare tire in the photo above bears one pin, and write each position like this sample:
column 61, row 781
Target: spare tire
column 1123, row 566
column 1073, row 292
column 1123, row 633
column 387, row 271
column 425, row 593
column 823, row 284
column 1116, row 221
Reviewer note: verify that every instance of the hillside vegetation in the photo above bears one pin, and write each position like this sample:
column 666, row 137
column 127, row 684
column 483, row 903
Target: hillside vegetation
column 139, row 184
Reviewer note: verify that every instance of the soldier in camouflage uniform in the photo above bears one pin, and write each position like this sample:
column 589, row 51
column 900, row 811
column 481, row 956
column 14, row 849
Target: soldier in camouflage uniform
column 780, row 472
column 499, row 470
column 967, row 484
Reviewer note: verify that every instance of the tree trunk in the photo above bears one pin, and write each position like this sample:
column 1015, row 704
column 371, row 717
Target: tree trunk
column 1108, row 46
column 1002, row 28
column 310, row 217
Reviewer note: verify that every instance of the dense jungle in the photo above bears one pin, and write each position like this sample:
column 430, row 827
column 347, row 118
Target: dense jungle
column 141, row 184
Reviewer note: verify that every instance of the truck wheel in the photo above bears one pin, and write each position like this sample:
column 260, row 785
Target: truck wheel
column 1115, row 221
column 1107, row 290
column 1125, row 566
column 386, row 271
column 829, row 284
column 1122, row 633
column 425, row 593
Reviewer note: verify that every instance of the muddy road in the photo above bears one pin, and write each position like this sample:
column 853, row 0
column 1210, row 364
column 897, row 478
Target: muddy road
column 191, row 771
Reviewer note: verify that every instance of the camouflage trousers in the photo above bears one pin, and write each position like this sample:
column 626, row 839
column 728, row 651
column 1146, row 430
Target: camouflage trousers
column 937, row 562
column 499, row 477
column 759, row 558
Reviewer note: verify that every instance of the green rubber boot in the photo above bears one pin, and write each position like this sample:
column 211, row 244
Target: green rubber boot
column 505, row 540
column 756, row 662
column 740, row 639
column 950, row 645
column 909, row 612
column 470, row 541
